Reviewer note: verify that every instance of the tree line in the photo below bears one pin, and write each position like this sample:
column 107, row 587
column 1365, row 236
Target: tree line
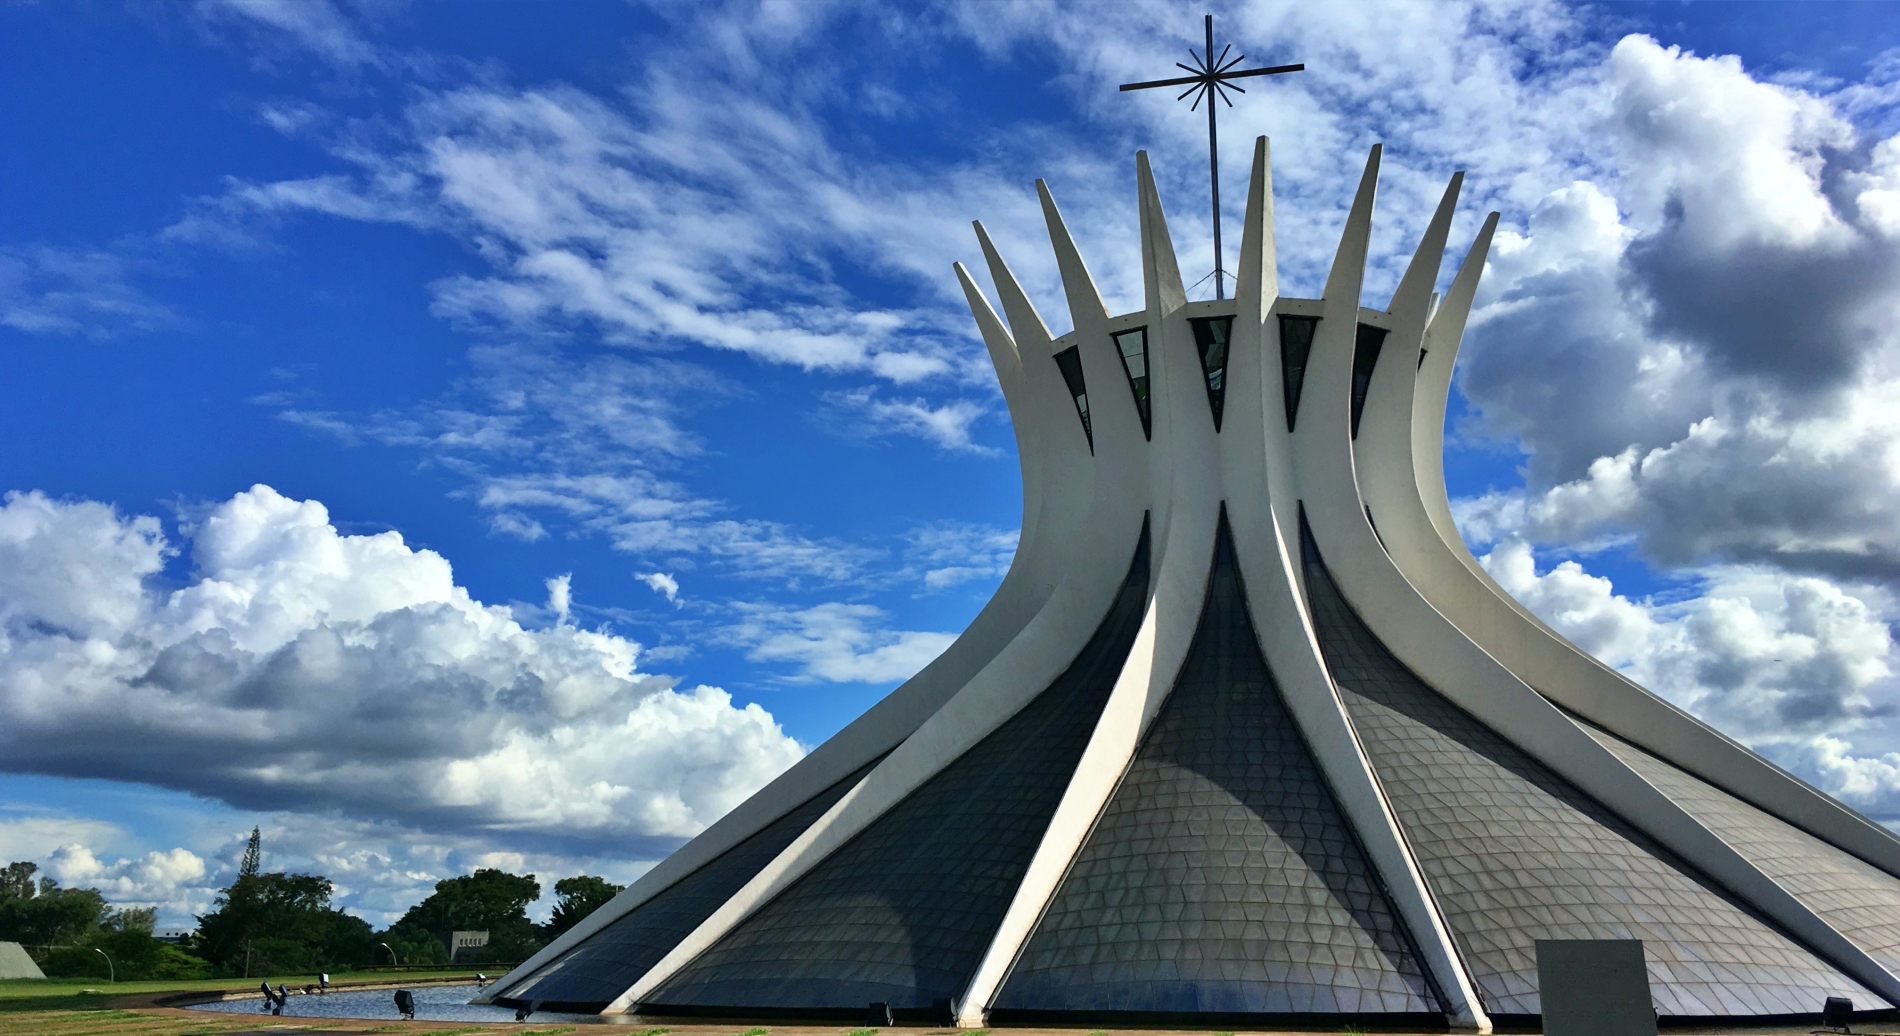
column 277, row 923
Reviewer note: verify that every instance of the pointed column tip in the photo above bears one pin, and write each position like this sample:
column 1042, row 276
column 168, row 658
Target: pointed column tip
column 1025, row 324
column 1349, row 262
column 1085, row 300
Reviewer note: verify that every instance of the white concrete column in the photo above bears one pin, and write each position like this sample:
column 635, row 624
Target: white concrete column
column 1441, row 655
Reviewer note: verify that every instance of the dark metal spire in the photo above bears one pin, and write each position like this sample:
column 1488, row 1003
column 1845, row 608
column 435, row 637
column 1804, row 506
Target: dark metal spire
column 1211, row 79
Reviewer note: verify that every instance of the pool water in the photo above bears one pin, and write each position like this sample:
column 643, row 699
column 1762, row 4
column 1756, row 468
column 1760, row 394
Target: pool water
column 433, row 1003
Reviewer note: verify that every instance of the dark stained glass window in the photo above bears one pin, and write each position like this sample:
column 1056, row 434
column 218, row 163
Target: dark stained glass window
column 902, row 912
column 1296, row 344
column 1133, row 346
column 1514, row 853
column 1210, row 338
column 1222, row 876
column 1069, row 361
column 1365, row 356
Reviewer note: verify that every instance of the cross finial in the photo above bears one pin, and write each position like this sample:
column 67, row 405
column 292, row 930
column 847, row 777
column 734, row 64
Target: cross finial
column 1211, row 78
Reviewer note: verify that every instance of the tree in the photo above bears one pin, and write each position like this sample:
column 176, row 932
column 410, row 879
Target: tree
column 16, row 880
column 64, row 927
column 253, row 855
column 488, row 900
column 579, row 896
column 125, row 936
column 277, row 922
column 44, row 914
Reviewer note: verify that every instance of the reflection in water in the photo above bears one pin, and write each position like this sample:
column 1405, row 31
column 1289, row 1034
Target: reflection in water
column 433, row 1003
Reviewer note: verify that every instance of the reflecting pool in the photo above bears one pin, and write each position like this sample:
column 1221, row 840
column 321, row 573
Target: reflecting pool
column 433, row 1003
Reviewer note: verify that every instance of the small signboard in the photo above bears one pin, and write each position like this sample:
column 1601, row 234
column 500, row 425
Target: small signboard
column 459, row 941
column 1594, row 987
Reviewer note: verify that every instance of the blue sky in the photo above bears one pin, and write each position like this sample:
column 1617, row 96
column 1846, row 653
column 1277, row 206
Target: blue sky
column 455, row 435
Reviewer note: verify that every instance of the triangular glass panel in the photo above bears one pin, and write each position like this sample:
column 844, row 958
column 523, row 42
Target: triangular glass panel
column 1210, row 338
column 933, row 875
column 1133, row 346
column 1296, row 343
column 1854, row 897
column 1365, row 355
column 1222, row 868
column 1069, row 362
column 592, row 974
column 1539, row 858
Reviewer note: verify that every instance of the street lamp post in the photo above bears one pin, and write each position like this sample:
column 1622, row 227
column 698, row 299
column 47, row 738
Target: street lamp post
column 392, row 955
column 112, row 973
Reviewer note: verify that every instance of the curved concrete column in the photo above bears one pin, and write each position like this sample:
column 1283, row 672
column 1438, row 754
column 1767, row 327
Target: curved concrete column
column 1183, row 501
column 1379, row 515
column 1055, row 472
column 1435, row 649
column 1104, row 523
column 1403, row 475
column 1252, row 466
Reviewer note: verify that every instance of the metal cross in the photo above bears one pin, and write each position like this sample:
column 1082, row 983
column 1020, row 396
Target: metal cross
column 1211, row 79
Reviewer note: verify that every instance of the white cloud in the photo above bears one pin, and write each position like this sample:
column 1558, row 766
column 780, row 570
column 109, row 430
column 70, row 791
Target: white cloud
column 36, row 837
column 953, row 553
column 172, row 880
column 379, row 868
column 76, row 292
column 1795, row 666
column 947, row 426
column 1740, row 159
column 318, row 26
column 835, row 643
column 308, row 669
column 663, row 583
column 757, row 549
column 639, row 224
column 1699, row 353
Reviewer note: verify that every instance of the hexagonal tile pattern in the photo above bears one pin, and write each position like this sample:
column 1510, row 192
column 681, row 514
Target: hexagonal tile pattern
column 1221, row 875
column 1513, row 853
column 1856, row 898
column 595, row 972
column 902, row 912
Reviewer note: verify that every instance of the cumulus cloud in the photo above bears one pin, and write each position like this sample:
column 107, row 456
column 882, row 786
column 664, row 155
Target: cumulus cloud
column 74, row 851
column 835, row 643
column 561, row 596
column 172, row 880
column 1794, row 665
column 1701, row 353
column 1697, row 354
column 379, row 868
column 303, row 668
